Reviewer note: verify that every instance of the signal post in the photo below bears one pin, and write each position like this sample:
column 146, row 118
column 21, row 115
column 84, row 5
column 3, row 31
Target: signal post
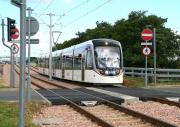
column 146, row 35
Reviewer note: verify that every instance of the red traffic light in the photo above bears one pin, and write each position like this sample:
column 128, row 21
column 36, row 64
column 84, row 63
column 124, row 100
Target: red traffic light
column 10, row 28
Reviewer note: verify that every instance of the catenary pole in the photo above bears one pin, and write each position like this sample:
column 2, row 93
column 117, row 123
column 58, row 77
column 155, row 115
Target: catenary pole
column 29, row 55
column 50, row 46
column 22, row 61
column 154, row 40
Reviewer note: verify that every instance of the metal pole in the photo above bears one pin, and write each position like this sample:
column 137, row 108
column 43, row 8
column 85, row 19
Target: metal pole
column 13, row 70
column 154, row 40
column 50, row 47
column 22, row 61
column 11, row 75
column 146, row 71
column 29, row 55
column 3, row 40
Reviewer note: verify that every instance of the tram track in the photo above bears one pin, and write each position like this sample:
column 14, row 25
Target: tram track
column 166, row 101
column 113, row 105
column 156, row 99
column 122, row 110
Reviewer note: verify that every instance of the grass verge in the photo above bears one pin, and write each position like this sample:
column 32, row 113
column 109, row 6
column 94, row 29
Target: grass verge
column 139, row 82
column 9, row 113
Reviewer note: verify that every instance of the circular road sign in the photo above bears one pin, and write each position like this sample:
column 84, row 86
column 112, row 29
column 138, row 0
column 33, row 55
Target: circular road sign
column 34, row 26
column 146, row 50
column 16, row 35
column 15, row 48
column 147, row 34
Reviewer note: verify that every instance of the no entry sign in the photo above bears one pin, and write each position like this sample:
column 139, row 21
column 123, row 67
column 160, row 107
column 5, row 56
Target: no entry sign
column 147, row 34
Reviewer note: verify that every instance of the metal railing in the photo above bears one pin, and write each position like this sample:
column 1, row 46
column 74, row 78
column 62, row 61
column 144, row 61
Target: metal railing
column 161, row 74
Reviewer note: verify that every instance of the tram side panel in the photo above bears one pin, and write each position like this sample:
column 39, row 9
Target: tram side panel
column 58, row 66
column 78, row 64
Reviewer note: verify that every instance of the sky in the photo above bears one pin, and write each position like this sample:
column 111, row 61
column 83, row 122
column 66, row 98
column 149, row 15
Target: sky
column 72, row 16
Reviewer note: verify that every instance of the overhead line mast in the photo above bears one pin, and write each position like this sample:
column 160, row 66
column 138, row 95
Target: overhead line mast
column 50, row 46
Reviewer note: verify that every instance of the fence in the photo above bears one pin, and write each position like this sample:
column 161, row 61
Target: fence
column 161, row 74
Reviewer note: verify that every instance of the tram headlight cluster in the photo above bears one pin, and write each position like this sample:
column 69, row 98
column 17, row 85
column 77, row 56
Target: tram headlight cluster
column 109, row 72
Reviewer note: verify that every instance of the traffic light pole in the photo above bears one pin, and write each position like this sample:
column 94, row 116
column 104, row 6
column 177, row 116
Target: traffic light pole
column 12, row 70
column 12, row 75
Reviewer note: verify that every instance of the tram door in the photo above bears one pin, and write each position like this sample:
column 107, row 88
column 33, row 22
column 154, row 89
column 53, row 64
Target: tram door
column 86, row 56
column 63, row 66
column 82, row 68
column 53, row 66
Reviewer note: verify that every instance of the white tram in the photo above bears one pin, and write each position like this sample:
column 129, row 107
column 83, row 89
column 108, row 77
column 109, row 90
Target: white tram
column 97, row 61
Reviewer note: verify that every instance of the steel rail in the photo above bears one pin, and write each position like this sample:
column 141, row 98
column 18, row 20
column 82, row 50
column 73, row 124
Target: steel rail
column 165, row 101
column 81, row 110
column 76, row 107
column 46, row 81
column 142, row 116
column 39, row 86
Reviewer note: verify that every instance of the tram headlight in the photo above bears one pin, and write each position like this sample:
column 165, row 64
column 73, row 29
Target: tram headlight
column 114, row 72
column 106, row 72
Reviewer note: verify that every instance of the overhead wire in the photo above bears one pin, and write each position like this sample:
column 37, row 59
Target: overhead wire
column 84, row 2
column 89, row 12
column 72, row 9
column 39, row 17
column 37, row 5
column 50, row 3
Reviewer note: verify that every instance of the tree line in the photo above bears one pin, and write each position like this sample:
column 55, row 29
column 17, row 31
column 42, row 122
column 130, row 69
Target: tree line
column 128, row 33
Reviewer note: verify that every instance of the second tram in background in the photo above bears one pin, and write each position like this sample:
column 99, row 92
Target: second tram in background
column 97, row 61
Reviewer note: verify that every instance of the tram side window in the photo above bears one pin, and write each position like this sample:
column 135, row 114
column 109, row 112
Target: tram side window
column 77, row 63
column 39, row 63
column 53, row 62
column 47, row 62
column 89, row 60
column 60, row 62
column 68, row 63
column 43, row 62
column 57, row 62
